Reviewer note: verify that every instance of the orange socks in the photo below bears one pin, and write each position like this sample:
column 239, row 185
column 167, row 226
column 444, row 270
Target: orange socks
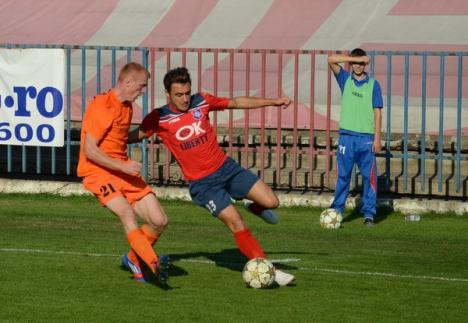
column 248, row 245
column 142, row 247
column 149, row 234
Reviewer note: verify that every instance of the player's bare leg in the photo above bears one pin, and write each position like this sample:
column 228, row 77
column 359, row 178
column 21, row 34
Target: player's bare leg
column 263, row 201
column 124, row 211
column 151, row 211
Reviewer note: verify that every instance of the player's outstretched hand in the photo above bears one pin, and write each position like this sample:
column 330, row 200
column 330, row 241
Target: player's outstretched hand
column 283, row 102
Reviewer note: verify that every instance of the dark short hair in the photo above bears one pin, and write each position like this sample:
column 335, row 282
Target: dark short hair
column 358, row 52
column 176, row 75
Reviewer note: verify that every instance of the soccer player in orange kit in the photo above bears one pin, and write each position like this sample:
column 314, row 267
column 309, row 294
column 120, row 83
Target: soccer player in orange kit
column 115, row 179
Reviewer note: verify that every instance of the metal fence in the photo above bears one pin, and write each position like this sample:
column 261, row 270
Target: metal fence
column 424, row 128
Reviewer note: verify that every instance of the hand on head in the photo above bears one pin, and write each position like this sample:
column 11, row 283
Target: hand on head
column 361, row 60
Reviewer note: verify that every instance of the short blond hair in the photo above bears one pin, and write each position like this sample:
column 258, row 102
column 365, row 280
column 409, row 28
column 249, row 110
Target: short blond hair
column 132, row 68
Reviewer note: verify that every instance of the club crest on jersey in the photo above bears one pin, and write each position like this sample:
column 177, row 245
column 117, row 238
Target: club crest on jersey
column 197, row 114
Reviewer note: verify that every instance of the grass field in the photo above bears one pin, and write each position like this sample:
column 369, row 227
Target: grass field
column 60, row 262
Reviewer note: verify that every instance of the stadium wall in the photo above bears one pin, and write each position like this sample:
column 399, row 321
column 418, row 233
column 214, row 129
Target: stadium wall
column 425, row 146
column 418, row 50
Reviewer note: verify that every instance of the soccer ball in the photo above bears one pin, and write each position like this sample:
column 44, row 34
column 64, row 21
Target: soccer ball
column 258, row 273
column 330, row 219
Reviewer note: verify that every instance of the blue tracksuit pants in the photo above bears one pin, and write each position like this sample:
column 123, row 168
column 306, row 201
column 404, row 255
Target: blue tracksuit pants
column 356, row 149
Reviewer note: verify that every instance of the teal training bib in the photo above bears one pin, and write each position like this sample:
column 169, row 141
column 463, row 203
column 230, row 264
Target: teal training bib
column 357, row 112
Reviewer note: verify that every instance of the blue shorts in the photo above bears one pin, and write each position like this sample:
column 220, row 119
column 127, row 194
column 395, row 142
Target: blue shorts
column 230, row 181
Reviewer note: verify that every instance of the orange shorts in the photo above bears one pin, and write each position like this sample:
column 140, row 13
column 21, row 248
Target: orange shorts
column 105, row 186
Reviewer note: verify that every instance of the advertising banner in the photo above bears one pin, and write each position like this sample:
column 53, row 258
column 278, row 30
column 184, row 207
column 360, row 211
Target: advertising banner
column 32, row 87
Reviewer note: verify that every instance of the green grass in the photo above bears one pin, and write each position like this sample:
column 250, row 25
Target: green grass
column 60, row 260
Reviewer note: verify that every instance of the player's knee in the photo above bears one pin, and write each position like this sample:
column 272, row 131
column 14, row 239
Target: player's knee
column 272, row 202
column 159, row 223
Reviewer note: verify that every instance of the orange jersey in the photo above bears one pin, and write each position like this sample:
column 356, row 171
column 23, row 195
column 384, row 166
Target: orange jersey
column 107, row 120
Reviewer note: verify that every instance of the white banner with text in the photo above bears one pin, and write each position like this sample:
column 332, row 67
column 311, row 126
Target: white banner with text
column 32, row 87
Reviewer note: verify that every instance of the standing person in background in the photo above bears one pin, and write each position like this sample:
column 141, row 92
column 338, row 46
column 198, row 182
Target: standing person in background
column 359, row 134
column 115, row 179
column 184, row 127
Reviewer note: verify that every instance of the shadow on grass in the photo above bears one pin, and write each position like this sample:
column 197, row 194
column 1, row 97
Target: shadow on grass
column 382, row 213
column 228, row 258
column 152, row 279
column 231, row 259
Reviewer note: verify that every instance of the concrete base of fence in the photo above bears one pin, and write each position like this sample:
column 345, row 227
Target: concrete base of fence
column 321, row 200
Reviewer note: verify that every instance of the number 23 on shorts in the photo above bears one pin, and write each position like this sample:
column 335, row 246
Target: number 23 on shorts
column 211, row 206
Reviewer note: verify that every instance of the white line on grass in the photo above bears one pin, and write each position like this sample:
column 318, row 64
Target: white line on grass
column 286, row 260
column 369, row 273
column 59, row 252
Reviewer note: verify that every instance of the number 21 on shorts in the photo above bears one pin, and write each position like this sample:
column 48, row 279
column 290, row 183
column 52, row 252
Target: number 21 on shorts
column 107, row 189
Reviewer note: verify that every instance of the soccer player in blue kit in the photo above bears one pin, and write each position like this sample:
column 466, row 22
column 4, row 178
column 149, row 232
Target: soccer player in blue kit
column 359, row 134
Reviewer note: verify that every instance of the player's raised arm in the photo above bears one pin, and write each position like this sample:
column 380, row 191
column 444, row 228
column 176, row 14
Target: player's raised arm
column 244, row 102
column 335, row 60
